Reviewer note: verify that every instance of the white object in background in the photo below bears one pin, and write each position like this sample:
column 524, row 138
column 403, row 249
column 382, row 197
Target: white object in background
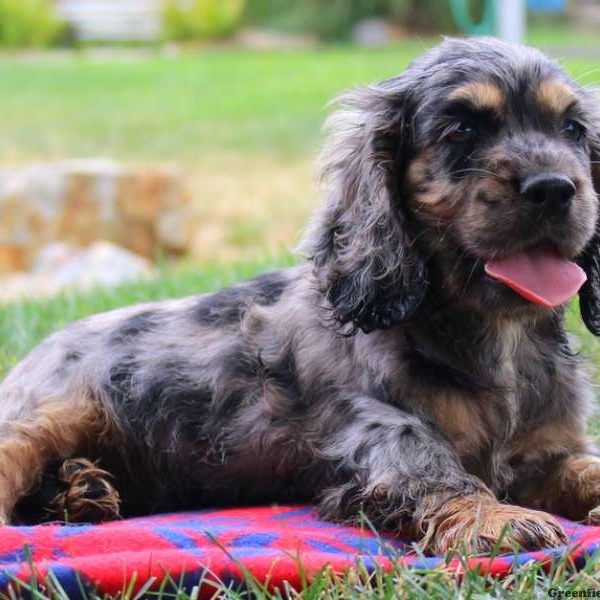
column 511, row 20
column 59, row 266
column 113, row 20
column 101, row 264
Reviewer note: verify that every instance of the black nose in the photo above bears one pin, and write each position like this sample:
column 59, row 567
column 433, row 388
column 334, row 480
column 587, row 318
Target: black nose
column 549, row 189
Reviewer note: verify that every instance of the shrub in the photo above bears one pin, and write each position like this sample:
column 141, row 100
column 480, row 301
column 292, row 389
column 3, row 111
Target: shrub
column 431, row 16
column 29, row 23
column 334, row 19
column 202, row 19
column 328, row 19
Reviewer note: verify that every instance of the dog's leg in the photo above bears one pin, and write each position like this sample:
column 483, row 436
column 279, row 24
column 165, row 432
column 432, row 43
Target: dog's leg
column 47, row 432
column 404, row 476
column 558, row 470
column 568, row 486
column 578, row 488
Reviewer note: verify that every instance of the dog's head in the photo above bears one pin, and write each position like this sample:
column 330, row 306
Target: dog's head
column 473, row 174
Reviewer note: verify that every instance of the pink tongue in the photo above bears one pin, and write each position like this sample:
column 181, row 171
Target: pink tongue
column 539, row 275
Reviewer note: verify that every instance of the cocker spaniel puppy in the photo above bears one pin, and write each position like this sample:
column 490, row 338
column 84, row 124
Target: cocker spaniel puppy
column 415, row 370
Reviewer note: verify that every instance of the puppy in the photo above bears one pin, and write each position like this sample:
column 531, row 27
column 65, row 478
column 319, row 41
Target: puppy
column 415, row 370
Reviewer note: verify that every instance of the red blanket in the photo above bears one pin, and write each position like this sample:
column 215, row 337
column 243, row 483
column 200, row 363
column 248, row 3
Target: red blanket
column 216, row 544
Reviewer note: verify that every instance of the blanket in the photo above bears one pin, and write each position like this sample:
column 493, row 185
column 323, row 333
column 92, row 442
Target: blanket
column 269, row 542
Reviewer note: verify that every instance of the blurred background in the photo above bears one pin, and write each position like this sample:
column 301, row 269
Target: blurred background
column 142, row 135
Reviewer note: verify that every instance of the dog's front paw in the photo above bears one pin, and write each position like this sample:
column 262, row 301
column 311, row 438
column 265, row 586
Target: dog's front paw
column 580, row 490
column 480, row 524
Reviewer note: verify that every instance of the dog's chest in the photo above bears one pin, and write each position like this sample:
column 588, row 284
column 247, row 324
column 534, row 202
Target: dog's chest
column 482, row 410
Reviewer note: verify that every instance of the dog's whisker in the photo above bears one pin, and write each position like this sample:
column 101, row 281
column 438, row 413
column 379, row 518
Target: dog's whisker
column 477, row 170
column 476, row 263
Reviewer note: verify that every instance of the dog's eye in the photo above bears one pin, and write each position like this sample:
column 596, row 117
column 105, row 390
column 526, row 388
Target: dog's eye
column 572, row 130
column 462, row 132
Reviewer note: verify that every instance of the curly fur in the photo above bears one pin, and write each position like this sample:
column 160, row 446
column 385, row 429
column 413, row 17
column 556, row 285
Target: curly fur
column 359, row 244
column 387, row 375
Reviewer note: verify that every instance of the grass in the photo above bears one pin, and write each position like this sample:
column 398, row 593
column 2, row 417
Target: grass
column 245, row 126
column 549, row 34
column 188, row 108
column 23, row 324
column 528, row 582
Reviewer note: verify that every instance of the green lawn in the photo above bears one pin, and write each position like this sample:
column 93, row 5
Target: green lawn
column 23, row 324
column 202, row 109
column 187, row 108
column 161, row 108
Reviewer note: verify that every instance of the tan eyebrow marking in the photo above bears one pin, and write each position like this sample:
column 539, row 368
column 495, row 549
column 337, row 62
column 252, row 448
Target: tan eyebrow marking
column 482, row 95
column 555, row 96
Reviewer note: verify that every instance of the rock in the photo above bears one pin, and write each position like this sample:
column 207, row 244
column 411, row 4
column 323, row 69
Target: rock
column 174, row 230
column 101, row 264
column 60, row 266
column 52, row 257
column 79, row 202
column 13, row 257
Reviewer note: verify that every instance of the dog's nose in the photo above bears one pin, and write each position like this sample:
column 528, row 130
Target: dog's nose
column 553, row 190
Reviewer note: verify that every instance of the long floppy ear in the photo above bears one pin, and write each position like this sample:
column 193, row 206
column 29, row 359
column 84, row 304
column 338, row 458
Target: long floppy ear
column 362, row 255
column 589, row 295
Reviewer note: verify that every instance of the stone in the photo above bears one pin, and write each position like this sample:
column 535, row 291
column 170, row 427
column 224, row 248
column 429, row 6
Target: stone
column 52, row 257
column 148, row 211
column 12, row 258
column 174, row 230
column 61, row 266
column 102, row 264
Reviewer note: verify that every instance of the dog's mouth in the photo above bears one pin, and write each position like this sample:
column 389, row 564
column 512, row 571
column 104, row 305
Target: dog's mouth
column 538, row 274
